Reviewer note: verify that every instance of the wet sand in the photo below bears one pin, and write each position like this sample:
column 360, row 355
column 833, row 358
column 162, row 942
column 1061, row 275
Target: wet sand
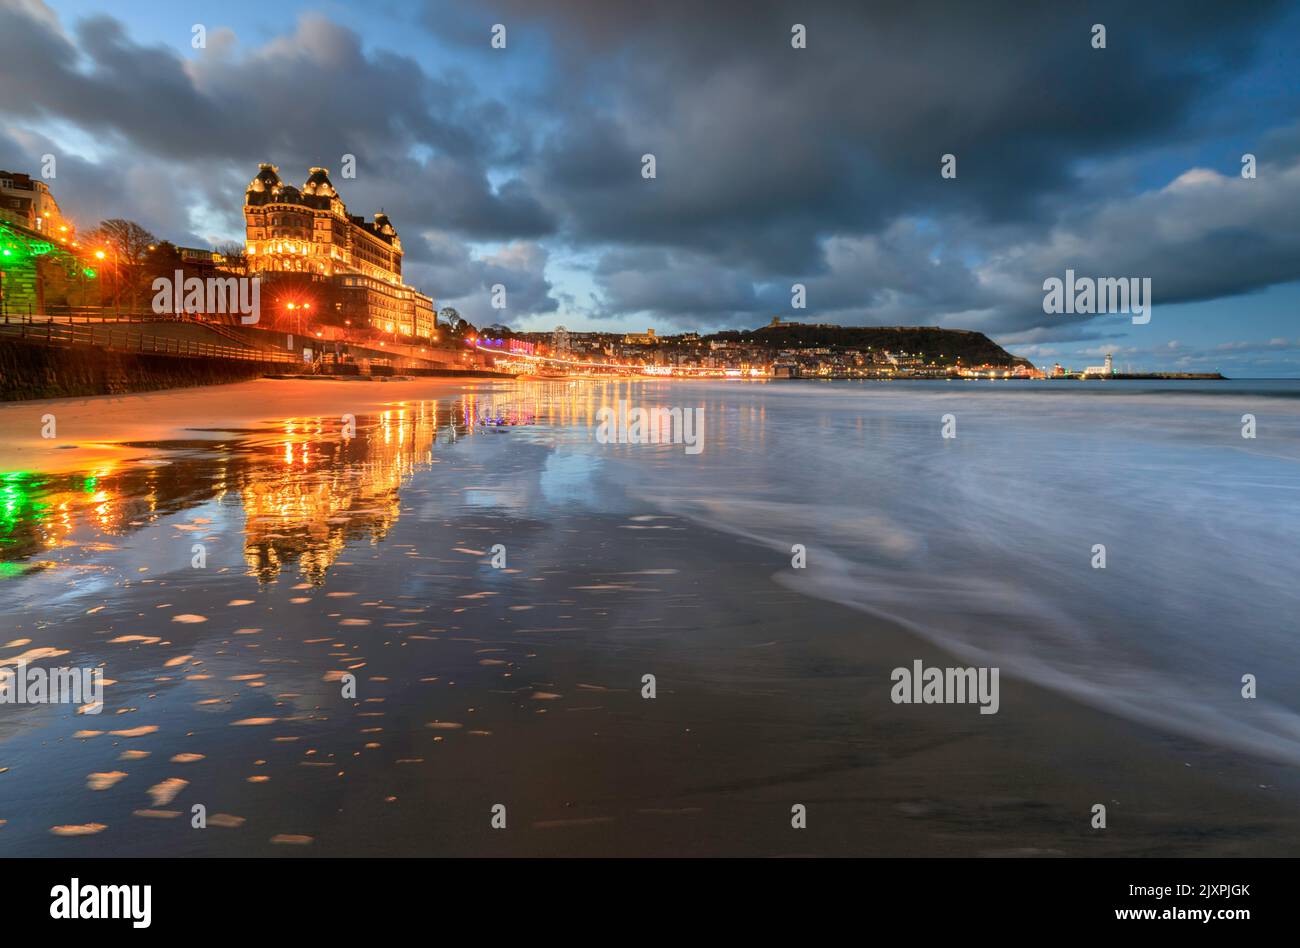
column 522, row 686
column 91, row 430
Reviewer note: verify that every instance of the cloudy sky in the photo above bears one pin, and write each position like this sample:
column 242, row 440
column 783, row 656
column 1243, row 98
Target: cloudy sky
column 775, row 165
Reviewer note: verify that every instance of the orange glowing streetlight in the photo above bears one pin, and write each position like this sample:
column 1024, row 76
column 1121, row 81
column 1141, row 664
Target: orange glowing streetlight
column 102, row 254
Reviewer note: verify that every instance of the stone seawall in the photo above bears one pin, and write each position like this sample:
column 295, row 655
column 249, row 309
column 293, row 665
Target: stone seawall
column 34, row 371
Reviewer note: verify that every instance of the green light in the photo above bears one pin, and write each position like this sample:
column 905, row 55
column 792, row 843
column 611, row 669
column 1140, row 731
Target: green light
column 16, row 490
column 89, row 272
column 22, row 508
column 19, row 249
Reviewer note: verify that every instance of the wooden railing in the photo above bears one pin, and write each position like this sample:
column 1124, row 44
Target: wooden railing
column 109, row 335
column 96, row 314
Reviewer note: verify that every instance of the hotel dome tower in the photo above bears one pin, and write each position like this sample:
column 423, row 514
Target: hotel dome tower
column 308, row 230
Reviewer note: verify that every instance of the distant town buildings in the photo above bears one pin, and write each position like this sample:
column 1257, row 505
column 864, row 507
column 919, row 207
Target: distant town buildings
column 200, row 259
column 309, row 231
column 752, row 354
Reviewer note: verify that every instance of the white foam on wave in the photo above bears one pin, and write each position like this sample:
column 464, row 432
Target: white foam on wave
column 990, row 620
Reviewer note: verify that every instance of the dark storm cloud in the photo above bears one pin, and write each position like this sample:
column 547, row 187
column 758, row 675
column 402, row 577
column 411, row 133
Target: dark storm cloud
column 465, row 282
column 775, row 165
column 821, row 166
column 1203, row 236
column 313, row 92
column 682, row 288
column 762, row 149
column 422, row 144
column 456, row 195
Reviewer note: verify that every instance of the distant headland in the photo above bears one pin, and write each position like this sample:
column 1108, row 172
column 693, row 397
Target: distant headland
column 783, row 350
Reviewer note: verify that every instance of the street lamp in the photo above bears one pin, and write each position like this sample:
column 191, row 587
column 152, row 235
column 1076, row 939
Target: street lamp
column 117, row 276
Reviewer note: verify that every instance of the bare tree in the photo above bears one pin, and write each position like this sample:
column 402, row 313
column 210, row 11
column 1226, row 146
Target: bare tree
column 127, row 238
column 125, row 246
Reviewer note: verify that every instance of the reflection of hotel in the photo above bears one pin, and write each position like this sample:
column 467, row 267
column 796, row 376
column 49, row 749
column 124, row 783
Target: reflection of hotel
column 305, row 496
column 310, row 232
column 323, row 494
column 292, row 518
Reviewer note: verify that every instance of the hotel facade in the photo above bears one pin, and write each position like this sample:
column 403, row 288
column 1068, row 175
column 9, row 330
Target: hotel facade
column 29, row 203
column 357, row 263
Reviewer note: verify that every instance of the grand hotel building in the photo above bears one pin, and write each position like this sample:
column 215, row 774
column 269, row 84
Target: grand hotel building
column 309, row 231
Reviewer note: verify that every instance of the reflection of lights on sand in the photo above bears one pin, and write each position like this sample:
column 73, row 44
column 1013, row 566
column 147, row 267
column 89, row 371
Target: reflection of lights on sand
column 310, row 515
column 296, row 515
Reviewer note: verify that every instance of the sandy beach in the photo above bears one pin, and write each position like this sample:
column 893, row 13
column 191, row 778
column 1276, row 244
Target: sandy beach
column 519, row 686
column 92, row 430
